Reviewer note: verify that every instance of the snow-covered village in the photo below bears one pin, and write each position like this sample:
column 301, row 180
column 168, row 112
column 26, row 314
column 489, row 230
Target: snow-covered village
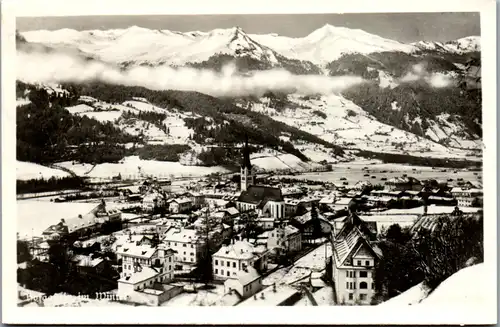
column 231, row 166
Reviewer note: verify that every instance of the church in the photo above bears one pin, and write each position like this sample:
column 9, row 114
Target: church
column 268, row 201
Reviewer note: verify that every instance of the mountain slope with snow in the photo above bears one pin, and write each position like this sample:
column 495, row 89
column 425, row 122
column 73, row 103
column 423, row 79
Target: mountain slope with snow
column 462, row 45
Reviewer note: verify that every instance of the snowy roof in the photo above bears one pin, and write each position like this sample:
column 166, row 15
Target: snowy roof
column 134, row 250
column 86, row 261
column 232, row 211
column 256, row 194
column 239, row 250
column 181, row 235
column 343, row 201
column 269, row 297
column 290, row 230
column 248, row 276
column 139, row 276
column 181, row 200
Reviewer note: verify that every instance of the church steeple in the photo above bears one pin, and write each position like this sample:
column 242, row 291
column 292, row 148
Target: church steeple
column 246, row 175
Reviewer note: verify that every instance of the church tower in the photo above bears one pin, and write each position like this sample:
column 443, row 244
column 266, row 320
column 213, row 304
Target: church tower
column 247, row 177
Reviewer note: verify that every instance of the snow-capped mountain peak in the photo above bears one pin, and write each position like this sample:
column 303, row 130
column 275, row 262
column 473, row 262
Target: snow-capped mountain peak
column 462, row 45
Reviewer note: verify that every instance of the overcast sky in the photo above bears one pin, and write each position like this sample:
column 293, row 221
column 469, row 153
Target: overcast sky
column 404, row 27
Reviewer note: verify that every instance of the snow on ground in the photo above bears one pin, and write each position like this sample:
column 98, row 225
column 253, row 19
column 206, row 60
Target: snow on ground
column 102, row 116
column 281, row 162
column 80, row 108
column 133, row 167
column 35, row 215
column 410, row 297
column 28, row 170
column 316, row 259
column 353, row 172
column 465, row 287
column 67, row 300
column 324, row 297
column 348, row 125
column 200, row 298
column 22, row 102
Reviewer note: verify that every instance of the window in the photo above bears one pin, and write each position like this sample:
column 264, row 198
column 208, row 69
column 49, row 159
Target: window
column 184, row 259
column 367, row 263
column 353, row 274
column 175, row 244
column 192, row 260
column 228, row 274
column 363, row 274
column 351, row 296
column 348, row 274
column 222, row 271
column 229, row 264
column 347, row 285
column 363, row 285
column 222, row 263
column 216, row 271
column 362, row 297
column 216, row 262
column 234, row 264
column 184, row 252
column 359, row 262
column 191, row 253
column 192, row 246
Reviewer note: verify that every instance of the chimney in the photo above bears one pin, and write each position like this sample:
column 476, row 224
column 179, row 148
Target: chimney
column 274, row 287
column 262, row 296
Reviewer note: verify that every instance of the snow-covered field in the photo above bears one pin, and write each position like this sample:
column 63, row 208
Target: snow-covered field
column 353, row 172
column 281, row 162
column 29, row 170
column 133, row 167
column 34, row 216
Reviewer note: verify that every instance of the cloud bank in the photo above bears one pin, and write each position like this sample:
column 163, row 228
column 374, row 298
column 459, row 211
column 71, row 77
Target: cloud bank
column 37, row 67
column 420, row 73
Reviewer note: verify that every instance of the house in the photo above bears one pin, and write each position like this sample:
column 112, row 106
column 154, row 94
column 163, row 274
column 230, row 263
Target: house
column 145, row 271
column 153, row 200
column 341, row 204
column 85, row 264
column 312, row 226
column 353, row 263
column 467, row 197
column 180, row 205
column 236, row 257
column 276, row 295
column 265, row 199
column 188, row 246
column 287, row 238
column 267, row 223
column 247, row 282
column 197, row 199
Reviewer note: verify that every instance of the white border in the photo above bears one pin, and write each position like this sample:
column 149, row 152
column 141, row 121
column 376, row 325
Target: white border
column 484, row 314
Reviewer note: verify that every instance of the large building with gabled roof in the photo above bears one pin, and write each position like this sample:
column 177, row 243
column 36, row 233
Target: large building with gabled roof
column 353, row 263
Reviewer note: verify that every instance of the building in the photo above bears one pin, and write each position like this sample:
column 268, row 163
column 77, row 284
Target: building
column 236, row 257
column 153, row 200
column 147, row 260
column 467, row 197
column 266, row 200
column 188, row 247
column 287, row 238
column 246, row 175
column 276, row 295
column 312, row 225
column 145, row 273
column 403, row 183
column 353, row 263
column 180, row 205
column 246, row 283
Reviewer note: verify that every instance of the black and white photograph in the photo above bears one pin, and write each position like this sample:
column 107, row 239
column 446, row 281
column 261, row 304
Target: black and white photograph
column 332, row 160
